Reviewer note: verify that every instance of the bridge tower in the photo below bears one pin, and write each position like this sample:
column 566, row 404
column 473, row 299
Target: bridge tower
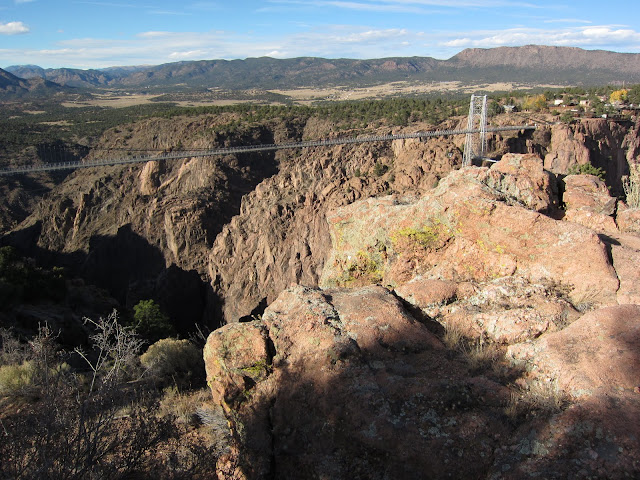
column 476, row 142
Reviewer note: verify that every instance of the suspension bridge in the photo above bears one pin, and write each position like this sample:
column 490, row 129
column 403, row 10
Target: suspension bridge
column 475, row 145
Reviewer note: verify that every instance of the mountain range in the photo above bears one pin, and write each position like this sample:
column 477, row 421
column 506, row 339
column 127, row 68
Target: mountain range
column 532, row 64
column 12, row 85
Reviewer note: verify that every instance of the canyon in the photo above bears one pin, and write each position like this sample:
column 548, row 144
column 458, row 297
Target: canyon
column 376, row 310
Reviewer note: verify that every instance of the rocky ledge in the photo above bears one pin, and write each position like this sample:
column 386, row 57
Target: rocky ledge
column 476, row 331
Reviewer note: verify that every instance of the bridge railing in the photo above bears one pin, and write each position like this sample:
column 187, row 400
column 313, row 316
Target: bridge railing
column 249, row 149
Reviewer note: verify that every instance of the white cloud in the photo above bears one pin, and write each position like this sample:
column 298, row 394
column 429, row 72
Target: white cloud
column 13, row 28
column 601, row 36
column 191, row 55
column 157, row 47
column 329, row 41
column 155, row 34
column 23, row 1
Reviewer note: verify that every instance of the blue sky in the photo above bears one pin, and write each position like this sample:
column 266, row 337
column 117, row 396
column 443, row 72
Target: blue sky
column 102, row 33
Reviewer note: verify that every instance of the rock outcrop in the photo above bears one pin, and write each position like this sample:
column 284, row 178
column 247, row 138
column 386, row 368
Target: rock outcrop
column 281, row 235
column 351, row 389
column 599, row 142
column 588, row 202
column 345, row 383
column 465, row 231
column 250, row 265
column 478, row 351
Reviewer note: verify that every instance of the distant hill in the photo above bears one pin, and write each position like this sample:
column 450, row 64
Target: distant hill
column 531, row 64
column 70, row 77
column 13, row 86
column 543, row 64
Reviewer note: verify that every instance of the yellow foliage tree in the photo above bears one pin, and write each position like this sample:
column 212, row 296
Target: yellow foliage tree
column 619, row 96
column 536, row 103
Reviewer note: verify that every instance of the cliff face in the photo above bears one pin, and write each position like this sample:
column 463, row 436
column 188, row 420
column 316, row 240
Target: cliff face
column 281, row 236
column 145, row 231
column 293, row 203
column 238, row 230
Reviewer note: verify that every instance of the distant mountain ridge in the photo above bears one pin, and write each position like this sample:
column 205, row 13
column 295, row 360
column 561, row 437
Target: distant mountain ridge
column 537, row 56
column 531, row 63
column 14, row 86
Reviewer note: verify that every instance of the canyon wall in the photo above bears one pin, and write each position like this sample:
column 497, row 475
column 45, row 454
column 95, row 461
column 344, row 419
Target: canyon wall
column 237, row 230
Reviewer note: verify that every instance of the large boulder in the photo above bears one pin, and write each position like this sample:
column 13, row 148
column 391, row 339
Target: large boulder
column 595, row 355
column 464, row 231
column 588, row 202
column 354, row 388
column 566, row 150
column 523, row 179
column 346, row 384
column 626, row 260
column 628, row 219
column 593, row 364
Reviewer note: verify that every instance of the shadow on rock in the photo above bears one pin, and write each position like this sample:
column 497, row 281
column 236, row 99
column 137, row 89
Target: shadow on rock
column 347, row 384
column 130, row 269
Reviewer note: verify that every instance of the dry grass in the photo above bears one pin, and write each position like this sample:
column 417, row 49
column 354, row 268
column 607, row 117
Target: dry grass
column 631, row 186
column 539, row 396
column 183, row 406
column 453, row 336
column 478, row 353
column 196, row 412
column 308, row 95
column 115, row 101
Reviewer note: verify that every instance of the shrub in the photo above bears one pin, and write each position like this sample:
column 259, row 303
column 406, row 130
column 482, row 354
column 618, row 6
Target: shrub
column 115, row 350
column 631, row 185
column 16, row 379
column 380, row 169
column 12, row 351
column 566, row 117
column 366, row 268
column 536, row 103
column 92, row 423
column 151, row 322
column 587, row 169
column 21, row 280
column 174, row 361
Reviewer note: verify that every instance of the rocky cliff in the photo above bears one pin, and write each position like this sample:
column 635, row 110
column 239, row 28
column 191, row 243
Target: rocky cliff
column 145, row 231
column 293, row 203
column 503, row 343
column 432, row 325
column 544, row 57
column 237, row 230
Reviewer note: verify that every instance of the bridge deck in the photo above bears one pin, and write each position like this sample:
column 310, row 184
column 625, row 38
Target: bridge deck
column 248, row 149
